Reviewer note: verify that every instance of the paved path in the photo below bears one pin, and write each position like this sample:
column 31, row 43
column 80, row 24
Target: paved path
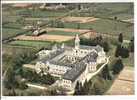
column 36, row 86
column 29, row 66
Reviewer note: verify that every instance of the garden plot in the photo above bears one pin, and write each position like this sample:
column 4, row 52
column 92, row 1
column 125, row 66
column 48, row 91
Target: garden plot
column 79, row 19
column 45, row 37
column 67, row 30
column 21, row 5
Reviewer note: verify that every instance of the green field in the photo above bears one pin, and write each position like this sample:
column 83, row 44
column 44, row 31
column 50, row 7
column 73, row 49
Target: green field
column 14, row 25
column 8, row 32
column 37, row 44
column 63, row 33
column 105, row 26
column 108, row 10
column 40, row 13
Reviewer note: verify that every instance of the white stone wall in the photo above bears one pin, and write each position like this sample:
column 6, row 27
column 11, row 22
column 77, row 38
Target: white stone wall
column 66, row 83
column 53, row 69
column 39, row 65
column 78, row 53
column 92, row 67
column 101, row 57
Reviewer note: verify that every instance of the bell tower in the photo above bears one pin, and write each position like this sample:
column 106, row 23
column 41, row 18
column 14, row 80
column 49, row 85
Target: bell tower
column 77, row 40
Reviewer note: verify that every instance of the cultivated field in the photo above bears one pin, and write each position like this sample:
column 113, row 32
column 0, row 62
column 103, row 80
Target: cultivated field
column 104, row 26
column 79, row 19
column 37, row 44
column 67, row 30
column 45, row 37
column 124, row 84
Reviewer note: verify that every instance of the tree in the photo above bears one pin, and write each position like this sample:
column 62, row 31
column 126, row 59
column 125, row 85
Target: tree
column 120, row 38
column 131, row 45
column 23, row 85
column 105, row 73
column 12, row 92
column 47, row 79
column 115, row 18
column 79, row 7
column 121, row 51
column 9, row 80
column 105, row 45
column 118, row 50
column 77, row 88
column 124, row 52
column 85, row 88
column 117, row 66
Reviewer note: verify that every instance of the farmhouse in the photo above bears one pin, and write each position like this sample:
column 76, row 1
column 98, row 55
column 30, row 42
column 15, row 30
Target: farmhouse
column 71, row 64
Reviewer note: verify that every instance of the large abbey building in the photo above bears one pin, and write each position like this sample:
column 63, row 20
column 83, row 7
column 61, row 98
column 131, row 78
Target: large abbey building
column 71, row 64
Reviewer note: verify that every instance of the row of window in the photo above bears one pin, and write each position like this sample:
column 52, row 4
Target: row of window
column 58, row 70
column 65, row 81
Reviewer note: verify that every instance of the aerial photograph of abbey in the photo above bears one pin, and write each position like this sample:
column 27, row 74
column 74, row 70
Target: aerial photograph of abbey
column 55, row 49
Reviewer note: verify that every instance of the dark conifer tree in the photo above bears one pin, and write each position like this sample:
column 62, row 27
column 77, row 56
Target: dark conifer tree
column 118, row 66
column 120, row 38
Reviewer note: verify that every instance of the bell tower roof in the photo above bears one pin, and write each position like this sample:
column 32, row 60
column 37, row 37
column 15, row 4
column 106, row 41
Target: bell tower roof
column 77, row 40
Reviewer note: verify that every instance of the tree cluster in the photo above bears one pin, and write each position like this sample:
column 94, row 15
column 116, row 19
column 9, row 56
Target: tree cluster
column 38, row 78
column 117, row 66
column 96, row 41
column 121, row 51
column 105, row 74
column 15, row 68
column 120, row 38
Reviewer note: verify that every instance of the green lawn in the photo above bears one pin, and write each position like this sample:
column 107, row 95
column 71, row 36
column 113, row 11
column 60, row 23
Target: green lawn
column 37, row 44
column 63, row 33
